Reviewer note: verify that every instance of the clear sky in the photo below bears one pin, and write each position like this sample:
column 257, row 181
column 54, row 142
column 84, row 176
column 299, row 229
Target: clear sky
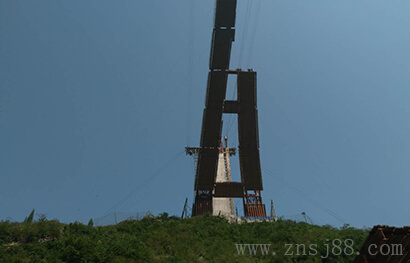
column 96, row 96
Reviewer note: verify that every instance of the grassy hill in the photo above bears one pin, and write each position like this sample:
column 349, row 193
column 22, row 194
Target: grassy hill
column 169, row 239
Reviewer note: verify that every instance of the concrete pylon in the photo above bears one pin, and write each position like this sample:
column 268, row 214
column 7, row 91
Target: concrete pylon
column 221, row 205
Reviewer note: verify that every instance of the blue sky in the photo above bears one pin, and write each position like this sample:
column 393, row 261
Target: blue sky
column 95, row 98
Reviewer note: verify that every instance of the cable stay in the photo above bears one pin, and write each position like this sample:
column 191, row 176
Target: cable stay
column 145, row 182
column 305, row 196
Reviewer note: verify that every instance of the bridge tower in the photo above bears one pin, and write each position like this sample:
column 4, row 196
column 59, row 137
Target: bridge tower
column 208, row 187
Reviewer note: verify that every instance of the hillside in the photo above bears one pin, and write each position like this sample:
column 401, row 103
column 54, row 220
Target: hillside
column 169, row 239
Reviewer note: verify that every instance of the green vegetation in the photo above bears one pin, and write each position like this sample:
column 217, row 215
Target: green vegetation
column 29, row 219
column 166, row 239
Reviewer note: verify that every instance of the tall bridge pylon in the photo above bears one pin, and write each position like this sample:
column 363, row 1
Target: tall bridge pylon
column 207, row 155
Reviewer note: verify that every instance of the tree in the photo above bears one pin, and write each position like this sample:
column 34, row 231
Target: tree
column 29, row 219
column 91, row 222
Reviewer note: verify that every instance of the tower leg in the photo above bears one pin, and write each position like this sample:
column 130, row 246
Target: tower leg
column 252, row 205
column 203, row 203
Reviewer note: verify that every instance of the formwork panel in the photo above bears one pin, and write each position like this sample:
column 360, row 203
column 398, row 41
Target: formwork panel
column 250, row 169
column 249, row 156
column 211, row 127
column 221, row 48
column 212, row 118
column 225, row 13
column 211, row 131
column 229, row 189
column 216, row 89
column 230, row 106
column 206, row 169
